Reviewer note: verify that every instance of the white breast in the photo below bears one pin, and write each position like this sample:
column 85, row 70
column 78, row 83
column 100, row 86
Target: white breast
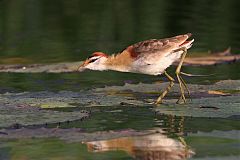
column 155, row 66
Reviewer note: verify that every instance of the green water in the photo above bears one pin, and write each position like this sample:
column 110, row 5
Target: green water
column 57, row 31
column 92, row 79
column 44, row 31
column 208, row 137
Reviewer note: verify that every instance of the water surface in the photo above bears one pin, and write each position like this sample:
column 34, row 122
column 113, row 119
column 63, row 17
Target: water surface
column 43, row 31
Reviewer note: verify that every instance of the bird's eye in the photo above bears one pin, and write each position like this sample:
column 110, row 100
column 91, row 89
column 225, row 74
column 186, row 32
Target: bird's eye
column 93, row 60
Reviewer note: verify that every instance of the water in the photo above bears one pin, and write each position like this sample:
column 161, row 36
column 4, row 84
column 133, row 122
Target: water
column 51, row 31
column 41, row 31
column 207, row 137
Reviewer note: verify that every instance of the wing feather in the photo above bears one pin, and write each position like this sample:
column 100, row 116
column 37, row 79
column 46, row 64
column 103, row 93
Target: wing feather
column 159, row 46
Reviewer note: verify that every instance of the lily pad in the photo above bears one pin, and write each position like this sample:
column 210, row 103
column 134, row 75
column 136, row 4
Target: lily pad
column 26, row 108
column 37, row 68
column 227, row 85
column 204, row 107
column 203, row 104
column 11, row 116
column 29, row 108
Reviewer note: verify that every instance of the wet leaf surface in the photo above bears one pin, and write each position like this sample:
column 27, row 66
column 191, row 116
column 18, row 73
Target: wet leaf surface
column 203, row 103
column 104, row 114
column 29, row 107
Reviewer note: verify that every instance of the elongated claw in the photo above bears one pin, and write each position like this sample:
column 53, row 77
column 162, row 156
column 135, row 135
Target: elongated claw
column 185, row 85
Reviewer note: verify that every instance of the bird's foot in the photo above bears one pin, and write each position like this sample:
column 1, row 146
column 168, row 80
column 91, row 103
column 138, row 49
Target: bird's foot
column 181, row 100
column 158, row 101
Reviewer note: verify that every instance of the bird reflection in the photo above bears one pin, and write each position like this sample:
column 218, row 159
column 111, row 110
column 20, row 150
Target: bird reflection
column 148, row 147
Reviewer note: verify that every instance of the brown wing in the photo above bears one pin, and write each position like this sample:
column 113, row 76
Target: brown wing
column 161, row 46
column 151, row 45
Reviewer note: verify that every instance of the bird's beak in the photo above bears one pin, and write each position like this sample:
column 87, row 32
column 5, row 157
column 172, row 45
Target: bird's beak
column 82, row 66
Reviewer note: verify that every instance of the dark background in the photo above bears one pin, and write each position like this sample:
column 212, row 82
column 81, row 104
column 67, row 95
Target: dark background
column 48, row 31
column 34, row 31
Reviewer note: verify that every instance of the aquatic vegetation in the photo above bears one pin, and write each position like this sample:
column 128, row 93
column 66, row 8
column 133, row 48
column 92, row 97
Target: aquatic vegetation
column 29, row 108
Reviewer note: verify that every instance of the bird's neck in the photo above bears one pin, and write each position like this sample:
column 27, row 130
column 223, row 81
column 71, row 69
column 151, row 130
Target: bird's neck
column 119, row 62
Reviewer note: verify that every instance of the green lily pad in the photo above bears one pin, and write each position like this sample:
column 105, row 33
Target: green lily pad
column 223, row 106
column 203, row 104
column 15, row 117
column 37, row 68
column 27, row 108
column 227, row 85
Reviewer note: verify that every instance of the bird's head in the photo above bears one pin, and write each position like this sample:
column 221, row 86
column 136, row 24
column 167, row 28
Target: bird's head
column 94, row 62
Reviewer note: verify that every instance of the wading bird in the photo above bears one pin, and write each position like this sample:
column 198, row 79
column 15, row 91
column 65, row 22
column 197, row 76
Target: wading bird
column 150, row 57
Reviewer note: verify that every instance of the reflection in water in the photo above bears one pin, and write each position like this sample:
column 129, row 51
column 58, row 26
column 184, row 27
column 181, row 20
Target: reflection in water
column 154, row 146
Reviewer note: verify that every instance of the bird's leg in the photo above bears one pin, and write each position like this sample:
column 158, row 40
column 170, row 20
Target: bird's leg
column 171, row 80
column 182, row 83
column 186, row 87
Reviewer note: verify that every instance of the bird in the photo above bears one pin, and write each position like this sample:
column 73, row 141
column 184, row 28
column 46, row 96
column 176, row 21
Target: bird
column 151, row 57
